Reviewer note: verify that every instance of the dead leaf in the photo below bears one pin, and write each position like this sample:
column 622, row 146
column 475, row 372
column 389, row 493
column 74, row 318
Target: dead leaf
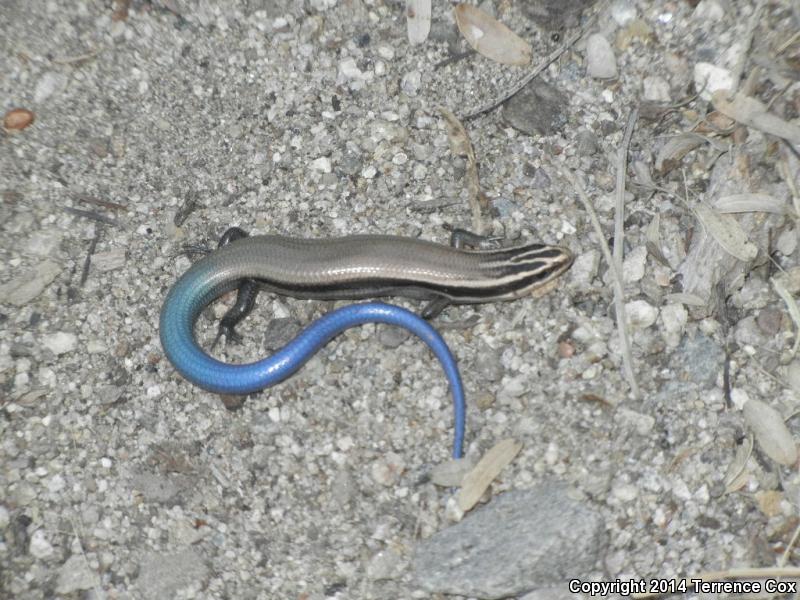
column 770, row 431
column 736, row 476
column 478, row 480
column 753, row 113
column 490, row 37
column 418, row 20
column 791, row 305
column 726, row 232
column 675, row 149
column 460, row 145
column 755, row 202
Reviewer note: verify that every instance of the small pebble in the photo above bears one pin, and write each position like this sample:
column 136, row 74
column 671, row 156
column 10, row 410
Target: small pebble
column 386, row 564
column 709, row 10
column 60, row 342
column 586, row 142
column 623, row 12
column 388, row 469
column 50, row 83
column 786, row 243
column 634, row 264
column 641, row 314
column 769, row 320
column 624, row 492
column 75, row 575
column 674, row 317
column 411, row 82
column 585, row 267
column 322, row 164
column 39, row 546
column 349, row 69
column 600, row 58
column 710, row 78
column 656, row 89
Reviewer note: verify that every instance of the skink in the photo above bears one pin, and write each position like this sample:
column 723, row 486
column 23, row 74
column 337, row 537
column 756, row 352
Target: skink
column 352, row 267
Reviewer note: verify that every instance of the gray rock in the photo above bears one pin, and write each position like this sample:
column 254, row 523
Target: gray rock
column 521, row 541
column 155, row 488
column 280, row 331
column 26, row 287
column 538, row 109
column 160, row 576
column 392, row 337
column 75, row 575
column 586, row 142
column 698, row 360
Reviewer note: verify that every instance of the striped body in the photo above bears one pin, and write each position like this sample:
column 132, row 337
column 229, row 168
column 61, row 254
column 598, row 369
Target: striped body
column 369, row 266
column 352, row 267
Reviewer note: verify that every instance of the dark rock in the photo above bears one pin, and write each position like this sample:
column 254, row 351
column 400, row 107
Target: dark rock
column 521, row 541
column 555, row 15
column 538, row 109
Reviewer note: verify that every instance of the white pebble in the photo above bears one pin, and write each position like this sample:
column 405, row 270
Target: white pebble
column 584, row 269
column 96, row 347
column 514, row 387
column 323, row 5
column 49, row 84
column 411, row 82
column 322, row 164
column 623, row 12
column 633, row 265
column 674, row 317
column 711, row 78
column 786, row 243
column 386, row 52
column 656, row 89
column 56, row 484
column 60, row 342
column 388, row 469
column 349, row 69
column 624, row 492
column 709, row 10
column 400, row 158
column 39, row 547
column 641, row 314
column 601, row 62
column 345, row 443
column 641, row 422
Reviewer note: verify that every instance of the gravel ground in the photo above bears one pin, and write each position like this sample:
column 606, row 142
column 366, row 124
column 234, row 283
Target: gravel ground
column 164, row 125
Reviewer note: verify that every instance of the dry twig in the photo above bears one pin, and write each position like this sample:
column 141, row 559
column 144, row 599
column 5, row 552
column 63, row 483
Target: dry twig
column 461, row 145
column 616, row 275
